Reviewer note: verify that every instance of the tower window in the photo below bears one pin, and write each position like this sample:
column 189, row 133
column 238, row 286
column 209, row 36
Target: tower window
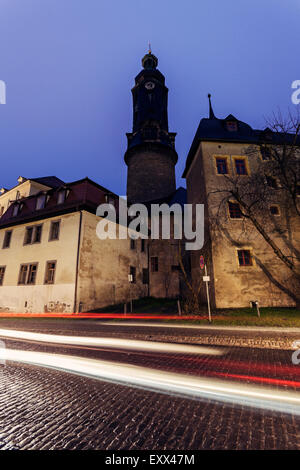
column 222, row 168
column 132, row 243
column 245, row 258
column 234, row 210
column 7, row 239
column 274, row 210
column 154, row 264
column 240, row 166
column 142, row 244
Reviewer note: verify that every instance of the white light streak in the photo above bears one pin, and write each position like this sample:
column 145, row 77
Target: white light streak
column 161, row 381
column 131, row 344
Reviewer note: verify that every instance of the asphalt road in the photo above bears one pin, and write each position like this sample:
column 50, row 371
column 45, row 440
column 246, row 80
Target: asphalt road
column 44, row 408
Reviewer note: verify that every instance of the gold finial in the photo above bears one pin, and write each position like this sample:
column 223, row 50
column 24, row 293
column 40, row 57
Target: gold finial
column 149, row 48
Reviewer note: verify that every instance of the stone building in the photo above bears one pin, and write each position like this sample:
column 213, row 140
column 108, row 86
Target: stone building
column 242, row 265
column 51, row 259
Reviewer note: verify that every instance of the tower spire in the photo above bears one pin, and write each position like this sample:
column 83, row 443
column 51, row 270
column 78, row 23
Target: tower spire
column 211, row 112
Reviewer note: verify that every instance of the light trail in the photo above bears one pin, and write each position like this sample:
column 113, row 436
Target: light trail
column 112, row 343
column 160, row 381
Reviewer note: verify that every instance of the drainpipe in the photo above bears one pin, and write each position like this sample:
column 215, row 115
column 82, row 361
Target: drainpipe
column 77, row 262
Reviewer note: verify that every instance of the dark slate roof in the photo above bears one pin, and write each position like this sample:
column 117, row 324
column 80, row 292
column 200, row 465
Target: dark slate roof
column 83, row 194
column 51, row 181
column 214, row 129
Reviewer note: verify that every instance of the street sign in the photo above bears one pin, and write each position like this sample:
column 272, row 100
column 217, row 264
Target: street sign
column 201, row 261
column 206, row 278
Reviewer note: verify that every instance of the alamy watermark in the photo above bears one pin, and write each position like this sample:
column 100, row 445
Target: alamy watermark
column 296, row 94
column 2, row 92
column 165, row 222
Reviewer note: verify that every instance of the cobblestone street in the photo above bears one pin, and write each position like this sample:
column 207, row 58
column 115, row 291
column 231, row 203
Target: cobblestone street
column 49, row 409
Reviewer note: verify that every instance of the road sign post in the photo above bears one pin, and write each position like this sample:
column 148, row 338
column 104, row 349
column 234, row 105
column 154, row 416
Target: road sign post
column 206, row 279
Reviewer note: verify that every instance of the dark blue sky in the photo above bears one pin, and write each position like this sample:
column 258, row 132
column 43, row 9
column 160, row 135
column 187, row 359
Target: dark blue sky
column 69, row 66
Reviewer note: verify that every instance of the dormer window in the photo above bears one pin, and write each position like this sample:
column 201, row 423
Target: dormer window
column 41, row 201
column 231, row 126
column 16, row 209
column 61, row 197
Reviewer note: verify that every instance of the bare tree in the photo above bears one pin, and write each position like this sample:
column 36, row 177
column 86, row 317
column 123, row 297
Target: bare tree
column 274, row 180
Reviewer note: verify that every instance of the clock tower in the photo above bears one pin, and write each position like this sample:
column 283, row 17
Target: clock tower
column 151, row 156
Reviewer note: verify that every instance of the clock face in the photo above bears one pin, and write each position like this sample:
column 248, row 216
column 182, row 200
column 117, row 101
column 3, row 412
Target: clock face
column 149, row 85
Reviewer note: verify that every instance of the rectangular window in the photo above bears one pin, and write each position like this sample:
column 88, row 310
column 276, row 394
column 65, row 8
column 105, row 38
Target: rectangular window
column 265, row 153
column 132, row 243
column 27, row 274
column 145, row 276
column 54, row 230
column 133, row 274
column 28, row 235
column 37, row 234
column 2, row 272
column 23, row 274
column 222, row 168
column 40, row 202
column 245, row 258
column 271, row 182
column 61, row 197
column 234, row 210
column 274, row 210
column 154, row 264
column 33, row 234
column 32, row 274
column 142, row 244
column 7, row 239
column 15, row 210
column 50, row 272
column 240, row 166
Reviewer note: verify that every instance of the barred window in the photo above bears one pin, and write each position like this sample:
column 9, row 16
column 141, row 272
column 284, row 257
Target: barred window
column 222, row 168
column 234, row 210
column 240, row 166
column 245, row 258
